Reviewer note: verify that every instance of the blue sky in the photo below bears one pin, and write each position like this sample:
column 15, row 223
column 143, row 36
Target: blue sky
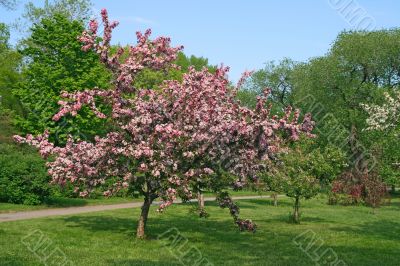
column 244, row 34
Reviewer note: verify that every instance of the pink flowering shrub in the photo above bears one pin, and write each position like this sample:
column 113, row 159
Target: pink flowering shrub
column 164, row 143
column 352, row 188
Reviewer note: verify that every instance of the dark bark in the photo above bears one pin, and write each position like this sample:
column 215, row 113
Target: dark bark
column 358, row 158
column 141, row 227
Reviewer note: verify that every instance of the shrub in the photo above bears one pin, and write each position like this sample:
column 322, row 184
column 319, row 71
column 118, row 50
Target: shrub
column 354, row 187
column 23, row 176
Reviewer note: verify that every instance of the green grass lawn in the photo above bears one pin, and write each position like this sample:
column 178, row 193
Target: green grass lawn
column 353, row 233
column 76, row 202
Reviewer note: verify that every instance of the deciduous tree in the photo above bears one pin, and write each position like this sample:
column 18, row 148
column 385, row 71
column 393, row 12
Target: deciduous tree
column 56, row 63
column 165, row 142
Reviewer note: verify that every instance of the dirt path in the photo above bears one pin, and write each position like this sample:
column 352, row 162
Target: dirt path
column 15, row 216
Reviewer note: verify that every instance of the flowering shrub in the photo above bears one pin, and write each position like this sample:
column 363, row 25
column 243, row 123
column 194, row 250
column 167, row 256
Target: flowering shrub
column 346, row 190
column 164, row 143
column 352, row 188
column 386, row 115
column 385, row 118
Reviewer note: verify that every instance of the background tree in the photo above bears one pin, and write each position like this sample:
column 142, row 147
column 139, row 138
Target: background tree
column 55, row 62
column 384, row 120
column 153, row 79
column 8, row 4
column 71, row 9
column 359, row 67
column 9, row 75
column 277, row 77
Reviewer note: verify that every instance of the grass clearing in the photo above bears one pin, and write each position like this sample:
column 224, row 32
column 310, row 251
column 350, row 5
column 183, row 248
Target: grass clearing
column 357, row 236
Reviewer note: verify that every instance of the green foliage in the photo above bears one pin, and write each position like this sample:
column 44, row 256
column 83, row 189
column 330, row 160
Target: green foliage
column 71, row 9
column 23, row 176
column 301, row 170
column 356, row 69
column 302, row 166
column 151, row 79
column 247, row 97
column 56, row 63
column 296, row 174
column 359, row 67
column 277, row 77
column 4, row 36
column 9, row 74
column 386, row 150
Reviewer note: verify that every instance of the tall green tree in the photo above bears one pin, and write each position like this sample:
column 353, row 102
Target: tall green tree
column 359, row 67
column 71, row 9
column 9, row 75
column 277, row 77
column 55, row 63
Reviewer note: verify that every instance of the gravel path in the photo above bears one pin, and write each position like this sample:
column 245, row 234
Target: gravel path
column 15, row 216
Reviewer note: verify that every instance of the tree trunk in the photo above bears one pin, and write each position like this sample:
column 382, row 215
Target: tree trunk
column 141, row 227
column 296, row 214
column 275, row 198
column 393, row 189
column 200, row 199
column 359, row 161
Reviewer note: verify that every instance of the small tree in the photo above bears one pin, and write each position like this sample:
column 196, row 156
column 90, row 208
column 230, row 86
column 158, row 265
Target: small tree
column 297, row 174
column 165, row 142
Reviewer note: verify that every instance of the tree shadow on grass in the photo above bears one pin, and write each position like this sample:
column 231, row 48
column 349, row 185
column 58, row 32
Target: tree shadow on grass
column 217, row 239
column 139, row 262
column 395, row 204
column 102, row 223
column 266, row 202
column 285, row 218
column 383, row 229
column 367, row 255
column 12, row 260
column 66, row 202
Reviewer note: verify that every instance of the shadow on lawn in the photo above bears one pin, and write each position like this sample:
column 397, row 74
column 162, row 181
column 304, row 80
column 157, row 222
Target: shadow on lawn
column 138, row 262
column 217, row 238
column 266, row 202
column 12, row 260
column 383, row 229
column 103, row 223
column 368, row 255
column 395, row 204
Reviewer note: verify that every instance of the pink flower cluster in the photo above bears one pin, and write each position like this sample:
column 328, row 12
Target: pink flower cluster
column 153, row 54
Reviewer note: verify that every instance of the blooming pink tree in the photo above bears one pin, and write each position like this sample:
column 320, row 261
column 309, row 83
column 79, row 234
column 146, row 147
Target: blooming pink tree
column 165, row 143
